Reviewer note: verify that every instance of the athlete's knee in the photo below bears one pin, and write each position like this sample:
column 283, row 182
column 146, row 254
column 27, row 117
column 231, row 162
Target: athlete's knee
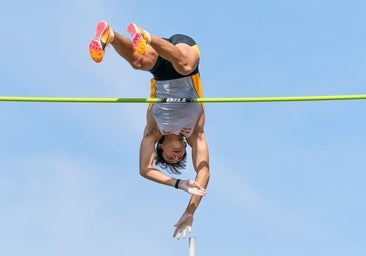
column 135, row 64
column 186, row 68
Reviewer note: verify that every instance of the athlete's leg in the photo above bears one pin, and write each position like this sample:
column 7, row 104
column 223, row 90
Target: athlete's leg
column 183, row 56
column 124, row 48
column 105, row 35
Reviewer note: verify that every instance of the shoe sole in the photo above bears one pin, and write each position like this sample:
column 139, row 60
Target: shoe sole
column 97, row 46
column 138, row 40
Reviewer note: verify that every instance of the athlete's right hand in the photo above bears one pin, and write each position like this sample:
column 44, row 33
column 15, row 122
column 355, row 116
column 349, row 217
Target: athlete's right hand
column 192, row 187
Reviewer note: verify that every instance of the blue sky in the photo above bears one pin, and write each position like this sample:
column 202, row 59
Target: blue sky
column 287, row 178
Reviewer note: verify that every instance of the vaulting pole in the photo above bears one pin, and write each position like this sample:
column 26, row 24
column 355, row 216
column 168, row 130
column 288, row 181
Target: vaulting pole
column 192, row 246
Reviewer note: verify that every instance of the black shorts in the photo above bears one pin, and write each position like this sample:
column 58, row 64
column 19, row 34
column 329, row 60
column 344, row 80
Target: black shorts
column 163, row 69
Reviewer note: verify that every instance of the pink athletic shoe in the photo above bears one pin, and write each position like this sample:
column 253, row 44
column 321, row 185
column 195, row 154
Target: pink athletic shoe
column 103, row 36
column 140, row 38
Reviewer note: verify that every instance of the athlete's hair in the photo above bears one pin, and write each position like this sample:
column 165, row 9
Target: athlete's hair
column 170, row 167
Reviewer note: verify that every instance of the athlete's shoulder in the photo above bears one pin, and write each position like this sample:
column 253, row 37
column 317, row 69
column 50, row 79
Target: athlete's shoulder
column 151, row 128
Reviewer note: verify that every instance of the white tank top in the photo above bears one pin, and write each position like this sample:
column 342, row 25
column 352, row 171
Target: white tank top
column 176, row 118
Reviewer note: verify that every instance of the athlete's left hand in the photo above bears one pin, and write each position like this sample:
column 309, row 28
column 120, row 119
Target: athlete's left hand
column 192, row 187
column 183, row 226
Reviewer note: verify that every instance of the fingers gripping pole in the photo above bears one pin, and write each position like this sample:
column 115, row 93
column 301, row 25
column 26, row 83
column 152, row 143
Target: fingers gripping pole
column 192, row 246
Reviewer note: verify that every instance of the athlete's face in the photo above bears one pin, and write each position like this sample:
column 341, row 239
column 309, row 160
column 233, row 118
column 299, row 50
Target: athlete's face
column 173, row 150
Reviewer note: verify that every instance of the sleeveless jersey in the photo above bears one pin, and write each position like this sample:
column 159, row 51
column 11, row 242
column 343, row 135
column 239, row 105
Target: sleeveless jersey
column 176, row 118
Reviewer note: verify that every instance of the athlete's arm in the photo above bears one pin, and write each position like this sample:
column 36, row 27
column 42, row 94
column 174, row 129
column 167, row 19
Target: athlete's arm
column 200, row 160
column 147, row 153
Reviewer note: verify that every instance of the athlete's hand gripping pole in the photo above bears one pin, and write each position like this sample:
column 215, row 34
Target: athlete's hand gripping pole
column 183, row 226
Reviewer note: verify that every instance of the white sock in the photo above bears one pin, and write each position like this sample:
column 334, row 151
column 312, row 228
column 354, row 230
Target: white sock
column 147, row 35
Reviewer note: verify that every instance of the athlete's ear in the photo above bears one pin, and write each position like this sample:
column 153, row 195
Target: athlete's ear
column 160, row 146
